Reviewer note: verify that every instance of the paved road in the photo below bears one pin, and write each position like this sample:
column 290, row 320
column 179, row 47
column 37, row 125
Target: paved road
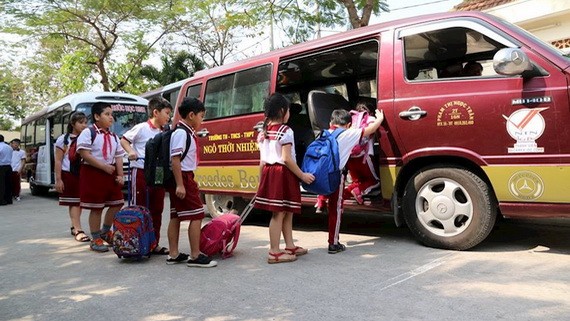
column 519, row 273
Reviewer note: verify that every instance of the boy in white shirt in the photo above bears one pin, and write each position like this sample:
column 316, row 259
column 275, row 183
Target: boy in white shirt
column 134, row 142
column 341, row 118
column 18, row 161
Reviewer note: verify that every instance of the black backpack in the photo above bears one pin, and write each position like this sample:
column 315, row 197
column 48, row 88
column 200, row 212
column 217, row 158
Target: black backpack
column 157, row 169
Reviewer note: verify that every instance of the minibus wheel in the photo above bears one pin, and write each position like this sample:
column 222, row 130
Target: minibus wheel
column 449, row 207
column 218, row 204
column 38, row 190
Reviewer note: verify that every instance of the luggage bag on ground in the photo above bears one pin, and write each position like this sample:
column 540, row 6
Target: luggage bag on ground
column 133, row 232
column 221, row 234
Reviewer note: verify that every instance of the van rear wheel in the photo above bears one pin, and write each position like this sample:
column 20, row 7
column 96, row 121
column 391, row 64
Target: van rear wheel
column 218, row 204
column 449, row 208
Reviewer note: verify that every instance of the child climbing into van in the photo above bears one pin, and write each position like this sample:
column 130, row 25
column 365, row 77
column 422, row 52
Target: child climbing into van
column 279, row 190
column 347, row 140
column 360, row 166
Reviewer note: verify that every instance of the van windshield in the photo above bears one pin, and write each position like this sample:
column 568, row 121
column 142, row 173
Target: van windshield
column 125, row 115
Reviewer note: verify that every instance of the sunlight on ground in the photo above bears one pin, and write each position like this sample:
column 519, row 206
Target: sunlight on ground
column 26, row 318
column 533, row 291
column 62, row 245
column 162, row 317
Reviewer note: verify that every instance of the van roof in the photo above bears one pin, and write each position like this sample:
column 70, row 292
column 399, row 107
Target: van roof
column 77, row 98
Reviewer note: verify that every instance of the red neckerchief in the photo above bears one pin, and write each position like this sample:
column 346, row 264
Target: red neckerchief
column 192, row 134
column 106, row 141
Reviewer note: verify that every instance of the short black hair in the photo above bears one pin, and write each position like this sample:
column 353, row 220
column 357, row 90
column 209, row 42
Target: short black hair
column 190, row 104
column 98, row 108
column 158, row 103
column 16, row 140
column 340, row 117
column 1, row 138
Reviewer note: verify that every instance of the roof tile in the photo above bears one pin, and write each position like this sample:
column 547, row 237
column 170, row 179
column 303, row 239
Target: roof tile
column 479, row 5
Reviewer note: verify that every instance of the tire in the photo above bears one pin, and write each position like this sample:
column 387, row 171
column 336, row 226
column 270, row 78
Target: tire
column 218, row 204
column 449, row 208
column 38, row 190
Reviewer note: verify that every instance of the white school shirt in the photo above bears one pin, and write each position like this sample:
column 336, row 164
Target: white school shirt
column 84, row 142
column 6, row 152
column 137, row 137
column 346, row 141
column 178, row 145
column 59, row 143
column 17, row 157
column 270, row 147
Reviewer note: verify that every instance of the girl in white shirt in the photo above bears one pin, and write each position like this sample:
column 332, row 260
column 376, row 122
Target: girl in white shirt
column 66, row 183
column 279, row 190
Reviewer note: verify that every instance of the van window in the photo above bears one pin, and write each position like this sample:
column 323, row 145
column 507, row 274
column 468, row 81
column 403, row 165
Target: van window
column 194, row 91
column 349, row 71
column 239, row 93
column 40, row 137
column 449, row 53
column 58, row 124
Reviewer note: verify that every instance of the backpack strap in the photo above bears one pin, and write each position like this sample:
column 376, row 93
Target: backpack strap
column 188, row 141
column 337, row 132
column 94, row 134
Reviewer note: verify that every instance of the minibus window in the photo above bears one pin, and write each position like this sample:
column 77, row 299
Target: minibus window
column 237, row 94
column 40, row 131
column 194, row 91
column 58, row 123
column 449, row 53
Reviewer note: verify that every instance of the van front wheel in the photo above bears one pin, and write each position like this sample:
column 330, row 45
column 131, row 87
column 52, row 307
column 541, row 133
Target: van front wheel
column 218, row 204
column 449, row 208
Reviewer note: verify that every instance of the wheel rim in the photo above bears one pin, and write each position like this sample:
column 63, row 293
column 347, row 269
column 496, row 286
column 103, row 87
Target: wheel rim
column 219, row 204
column 444, row 207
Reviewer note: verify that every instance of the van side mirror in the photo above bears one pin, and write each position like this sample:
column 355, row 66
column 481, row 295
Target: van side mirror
column 511, row 62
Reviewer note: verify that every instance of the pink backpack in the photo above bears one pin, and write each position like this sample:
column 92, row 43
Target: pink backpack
column 221, row 234
column 360, row 120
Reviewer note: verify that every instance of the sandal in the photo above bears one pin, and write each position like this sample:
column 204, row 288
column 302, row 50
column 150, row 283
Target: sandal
column 160, row 251
column 72, row 231
column 278, row 258
column 80, row 236
column 297, row 250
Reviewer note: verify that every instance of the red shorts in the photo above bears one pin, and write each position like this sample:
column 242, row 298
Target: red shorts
column 70, row 195
column 190, row 207
column 278, row 190
column 98, row 189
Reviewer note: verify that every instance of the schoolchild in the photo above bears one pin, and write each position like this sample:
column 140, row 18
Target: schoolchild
column 360, row 167
column 101, row 174
column 67, row 183
column 134, row 142
column 347, row 140
column 185, row 203
column 5, row 172
column 18, row 161
column 279, row 190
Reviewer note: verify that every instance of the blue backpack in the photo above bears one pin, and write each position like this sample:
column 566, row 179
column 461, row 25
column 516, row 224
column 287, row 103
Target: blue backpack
column 322, row 160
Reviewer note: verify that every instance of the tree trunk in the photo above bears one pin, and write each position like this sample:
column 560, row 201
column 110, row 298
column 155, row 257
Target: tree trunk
column 355, row 20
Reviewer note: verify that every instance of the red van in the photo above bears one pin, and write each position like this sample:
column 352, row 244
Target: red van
column 457, row 149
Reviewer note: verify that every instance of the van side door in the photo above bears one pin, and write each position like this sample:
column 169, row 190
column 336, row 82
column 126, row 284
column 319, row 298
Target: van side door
column 501, row 123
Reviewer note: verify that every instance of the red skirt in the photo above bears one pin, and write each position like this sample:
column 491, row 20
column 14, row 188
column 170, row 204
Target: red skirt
column 70, row 195
column 278, row 190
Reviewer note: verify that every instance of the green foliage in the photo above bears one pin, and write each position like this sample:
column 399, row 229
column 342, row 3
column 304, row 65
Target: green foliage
column 13, row 101
column 98, row 29
column 175, row 66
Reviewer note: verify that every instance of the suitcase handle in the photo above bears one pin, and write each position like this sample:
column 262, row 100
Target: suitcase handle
column 130, row 186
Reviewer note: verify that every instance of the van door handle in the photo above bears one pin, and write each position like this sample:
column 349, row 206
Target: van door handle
column 259, row 126
column 414, row 113
column 203, row 132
